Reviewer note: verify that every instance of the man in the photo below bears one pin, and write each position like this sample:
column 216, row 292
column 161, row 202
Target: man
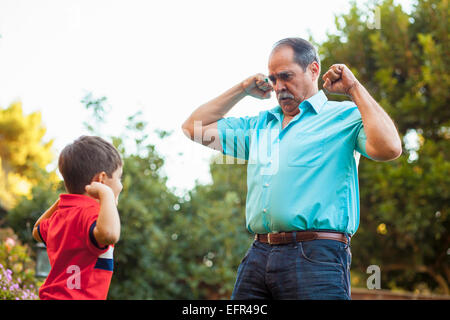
column 302, row 201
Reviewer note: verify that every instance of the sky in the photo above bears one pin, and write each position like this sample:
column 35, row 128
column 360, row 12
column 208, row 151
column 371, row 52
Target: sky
column 163, row 58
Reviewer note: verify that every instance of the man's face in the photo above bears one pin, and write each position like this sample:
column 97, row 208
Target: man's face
column 292, row 85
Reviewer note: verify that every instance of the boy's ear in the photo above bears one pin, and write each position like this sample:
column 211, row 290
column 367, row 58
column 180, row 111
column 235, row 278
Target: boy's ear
column 100, row 177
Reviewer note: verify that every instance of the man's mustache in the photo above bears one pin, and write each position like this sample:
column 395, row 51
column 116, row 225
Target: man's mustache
column 285, row 95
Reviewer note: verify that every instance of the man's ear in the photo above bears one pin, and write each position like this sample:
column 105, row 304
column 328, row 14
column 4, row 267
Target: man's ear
column 314, row 68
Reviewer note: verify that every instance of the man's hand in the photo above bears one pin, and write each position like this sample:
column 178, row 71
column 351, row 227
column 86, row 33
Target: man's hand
column 340, row 80
column 257, row 86
column 97, row 190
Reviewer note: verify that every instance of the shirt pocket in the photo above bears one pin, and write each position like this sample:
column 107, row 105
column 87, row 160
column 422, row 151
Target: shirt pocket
column 306, row 149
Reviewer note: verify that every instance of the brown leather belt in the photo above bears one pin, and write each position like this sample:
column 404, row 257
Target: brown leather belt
column 288, row 237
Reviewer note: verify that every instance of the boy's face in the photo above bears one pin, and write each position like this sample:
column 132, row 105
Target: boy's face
column 114, row 182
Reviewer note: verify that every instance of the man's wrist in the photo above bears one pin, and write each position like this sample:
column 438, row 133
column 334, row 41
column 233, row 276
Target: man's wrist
column 353, row 88
column 244, row 90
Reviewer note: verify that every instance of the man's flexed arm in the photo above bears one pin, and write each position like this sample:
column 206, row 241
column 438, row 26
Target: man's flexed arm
column 201, row 126
column 383, row 142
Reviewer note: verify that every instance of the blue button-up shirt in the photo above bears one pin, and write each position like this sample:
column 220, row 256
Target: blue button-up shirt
column 303, row 176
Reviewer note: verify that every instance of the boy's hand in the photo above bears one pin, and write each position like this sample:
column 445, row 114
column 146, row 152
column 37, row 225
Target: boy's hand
column 98, row 190
column 107, row 230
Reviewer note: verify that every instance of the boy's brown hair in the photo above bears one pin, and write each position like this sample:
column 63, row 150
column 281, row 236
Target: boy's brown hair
column 87, row 156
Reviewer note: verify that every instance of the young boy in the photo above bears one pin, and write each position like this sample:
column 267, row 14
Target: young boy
column 81, row 228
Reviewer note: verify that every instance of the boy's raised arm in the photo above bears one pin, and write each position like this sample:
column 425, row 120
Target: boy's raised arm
column 47, row 214
column 107, row 229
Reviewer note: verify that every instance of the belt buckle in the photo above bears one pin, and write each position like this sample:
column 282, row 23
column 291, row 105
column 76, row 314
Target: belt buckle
column 269, row 238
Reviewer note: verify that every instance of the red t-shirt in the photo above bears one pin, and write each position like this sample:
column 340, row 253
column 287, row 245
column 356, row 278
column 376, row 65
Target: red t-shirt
column 80, row 268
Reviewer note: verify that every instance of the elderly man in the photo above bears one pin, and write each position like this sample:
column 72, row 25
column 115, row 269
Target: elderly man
column 303, row 200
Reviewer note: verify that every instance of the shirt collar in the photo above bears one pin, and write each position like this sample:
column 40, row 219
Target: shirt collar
column 275, row 112
column 316, row 101
column 76, row 200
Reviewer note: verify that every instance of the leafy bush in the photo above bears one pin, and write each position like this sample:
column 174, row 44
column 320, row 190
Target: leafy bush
column 12, row 288
column 17, row 275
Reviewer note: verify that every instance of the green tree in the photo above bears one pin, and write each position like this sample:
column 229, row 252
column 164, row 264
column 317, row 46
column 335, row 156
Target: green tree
column 145, row 264
column 404, row 204
column 217, row 238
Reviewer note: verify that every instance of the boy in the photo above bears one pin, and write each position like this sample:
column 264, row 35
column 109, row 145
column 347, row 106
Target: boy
column 81, row 228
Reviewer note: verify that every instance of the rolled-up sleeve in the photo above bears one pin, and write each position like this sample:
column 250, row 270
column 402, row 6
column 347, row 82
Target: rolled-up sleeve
column 361, row 141
column 235, row 135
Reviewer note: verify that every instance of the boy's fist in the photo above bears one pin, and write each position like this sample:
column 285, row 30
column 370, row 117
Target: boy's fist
column 97, row 190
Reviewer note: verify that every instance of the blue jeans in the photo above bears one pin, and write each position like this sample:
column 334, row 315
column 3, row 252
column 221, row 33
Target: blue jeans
column 317, row 269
